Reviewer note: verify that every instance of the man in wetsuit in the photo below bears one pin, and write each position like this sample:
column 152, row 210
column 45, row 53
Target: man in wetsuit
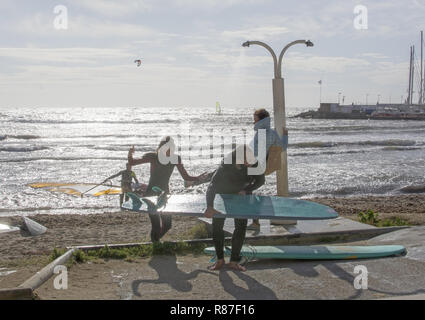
column 127, row 177
column 231, row 178
column 162, row 163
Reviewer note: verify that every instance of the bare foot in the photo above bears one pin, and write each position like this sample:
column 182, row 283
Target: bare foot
column 210, row 211
column 217, row 266
column 236, row 266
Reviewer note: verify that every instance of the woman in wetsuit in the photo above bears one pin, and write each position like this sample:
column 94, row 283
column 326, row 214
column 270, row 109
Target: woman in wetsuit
column 162, row 163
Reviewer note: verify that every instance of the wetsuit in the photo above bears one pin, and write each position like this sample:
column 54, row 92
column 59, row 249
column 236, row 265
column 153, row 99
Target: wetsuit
column 160, row 175
column 126, row 178
column 231, row 179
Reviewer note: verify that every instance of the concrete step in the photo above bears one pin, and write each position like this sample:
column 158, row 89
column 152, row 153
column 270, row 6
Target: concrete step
column 302, row 226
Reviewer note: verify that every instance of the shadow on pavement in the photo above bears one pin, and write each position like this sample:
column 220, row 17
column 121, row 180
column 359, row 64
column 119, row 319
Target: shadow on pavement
column 307, row 269
column 255, row 291
column 168, row 273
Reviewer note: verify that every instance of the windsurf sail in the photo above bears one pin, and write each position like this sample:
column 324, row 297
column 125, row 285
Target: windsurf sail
column 218, row 107
column 77, row 189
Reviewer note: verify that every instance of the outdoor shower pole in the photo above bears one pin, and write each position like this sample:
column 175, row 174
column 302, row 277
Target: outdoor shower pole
column 279, row 109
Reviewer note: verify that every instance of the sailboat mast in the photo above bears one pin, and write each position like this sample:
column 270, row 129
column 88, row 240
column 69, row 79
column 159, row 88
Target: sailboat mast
column 423, row 73
column 421, row 90
column 413, row 74
column 410, row 79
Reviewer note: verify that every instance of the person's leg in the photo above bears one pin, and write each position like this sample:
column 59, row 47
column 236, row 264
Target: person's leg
column 255, row 225
column 156, row 227
column 218, row 239
column 165, row 224
column 238, row 239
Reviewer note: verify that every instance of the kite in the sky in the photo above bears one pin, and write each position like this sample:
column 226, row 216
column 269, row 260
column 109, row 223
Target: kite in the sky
column 139, row 62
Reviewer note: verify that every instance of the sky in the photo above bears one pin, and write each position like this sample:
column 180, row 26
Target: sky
column 192, row 54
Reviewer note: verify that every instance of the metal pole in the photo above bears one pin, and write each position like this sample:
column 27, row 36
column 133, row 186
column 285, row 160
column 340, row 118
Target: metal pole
column 423, row 74
column 320, row 102
column 410, row 78
column 413, row 72
column 279, row 109
column 422, row 69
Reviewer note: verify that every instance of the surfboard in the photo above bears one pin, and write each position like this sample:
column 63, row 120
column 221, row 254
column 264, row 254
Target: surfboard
column 6, row 228
column 316, row 252
column 232, row 206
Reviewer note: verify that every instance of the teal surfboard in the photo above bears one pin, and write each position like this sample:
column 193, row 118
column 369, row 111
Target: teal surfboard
column 315, row 252
column 232, row 206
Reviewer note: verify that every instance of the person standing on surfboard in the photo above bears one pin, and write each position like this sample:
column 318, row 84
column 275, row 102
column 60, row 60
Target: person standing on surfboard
column 262, row 122
column 162, row 163
column 231, row 178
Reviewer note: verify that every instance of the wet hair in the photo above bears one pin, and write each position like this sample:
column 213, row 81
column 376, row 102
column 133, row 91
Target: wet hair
column 165, row 140
column 262, row 113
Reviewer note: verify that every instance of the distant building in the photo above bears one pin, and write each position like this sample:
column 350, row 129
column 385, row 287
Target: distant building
column 381, row 111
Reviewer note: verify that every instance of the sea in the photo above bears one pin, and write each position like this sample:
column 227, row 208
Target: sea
column 326, row 158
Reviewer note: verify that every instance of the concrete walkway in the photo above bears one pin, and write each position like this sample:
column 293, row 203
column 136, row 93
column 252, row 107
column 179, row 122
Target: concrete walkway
column 187, row 277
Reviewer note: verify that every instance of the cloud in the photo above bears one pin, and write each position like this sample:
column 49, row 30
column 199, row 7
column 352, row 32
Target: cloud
column 113, row 8
column 215, row 3
column 82, row 27
column 96, row 72
column 63, row 55
column 374, row 55
column 263, row 33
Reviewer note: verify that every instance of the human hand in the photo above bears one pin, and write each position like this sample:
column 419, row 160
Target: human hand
column 130, row 153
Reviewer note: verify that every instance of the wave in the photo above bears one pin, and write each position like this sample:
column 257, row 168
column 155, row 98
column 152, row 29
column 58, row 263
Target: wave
column 313, row 144
column 361, row 190
column 159, row 121
column 20, row 137
column 355, row 128
column 33, row 209
column 413, row 189
column 63, row 159
column 306, row 154
column 139, row 149
column 391, row 142
column 394, row 148
column 22, row 149
column 117, row 136
column 323, row 144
